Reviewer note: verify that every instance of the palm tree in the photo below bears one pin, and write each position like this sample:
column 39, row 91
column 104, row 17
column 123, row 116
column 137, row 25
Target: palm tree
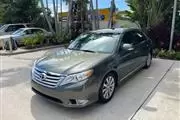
column 46, row 17
column 148, row 12
column 55, row 16
column 61, row 16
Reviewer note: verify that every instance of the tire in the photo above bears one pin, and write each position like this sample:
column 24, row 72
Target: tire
column 148, row 61
column 107, row 88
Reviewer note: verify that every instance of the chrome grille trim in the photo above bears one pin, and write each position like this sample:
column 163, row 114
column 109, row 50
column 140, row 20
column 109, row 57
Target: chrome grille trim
column 51, row 80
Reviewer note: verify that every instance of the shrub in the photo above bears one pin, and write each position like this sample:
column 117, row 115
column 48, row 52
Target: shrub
column 155, row 52
column 162, row 54
column 60, row 38
column 173, row 55
column 40, row 38
column 30, row 41
column 177, row 55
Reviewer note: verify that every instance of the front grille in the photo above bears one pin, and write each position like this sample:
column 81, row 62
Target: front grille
column 47, row 79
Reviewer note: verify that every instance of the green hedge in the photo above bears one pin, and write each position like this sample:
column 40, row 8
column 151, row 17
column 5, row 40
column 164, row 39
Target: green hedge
column 165, row 54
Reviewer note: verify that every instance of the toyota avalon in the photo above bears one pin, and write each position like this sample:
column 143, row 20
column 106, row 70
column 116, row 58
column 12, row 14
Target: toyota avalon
column 91, row 67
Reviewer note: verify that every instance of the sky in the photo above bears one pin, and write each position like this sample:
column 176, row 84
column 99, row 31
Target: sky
column 120, row 4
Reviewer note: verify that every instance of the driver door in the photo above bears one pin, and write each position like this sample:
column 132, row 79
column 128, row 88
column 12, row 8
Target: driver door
column 126, row 56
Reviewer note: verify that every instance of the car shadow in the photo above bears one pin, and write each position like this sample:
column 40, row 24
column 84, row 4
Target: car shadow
column 42, row 108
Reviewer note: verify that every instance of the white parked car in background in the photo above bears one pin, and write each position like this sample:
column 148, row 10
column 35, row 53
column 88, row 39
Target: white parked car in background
column 22, row 33
column 10, row 28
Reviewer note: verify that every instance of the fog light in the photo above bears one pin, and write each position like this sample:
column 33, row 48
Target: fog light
column 81, row 102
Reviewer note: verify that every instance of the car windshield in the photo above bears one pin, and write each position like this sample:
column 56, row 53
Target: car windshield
column 19, row 31
column 95, row 42
column 2, row 27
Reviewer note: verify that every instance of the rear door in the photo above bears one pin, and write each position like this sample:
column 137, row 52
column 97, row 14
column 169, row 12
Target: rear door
column 26, row 33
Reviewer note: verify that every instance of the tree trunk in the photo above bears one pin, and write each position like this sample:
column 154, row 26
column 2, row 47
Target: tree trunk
column 110, row 22
column 55, row 16
column 93, row 15
column 61, row 17
column 46, row 16
column 97, row 15
column 82, row 16
column 47, row 5
column 70, row 18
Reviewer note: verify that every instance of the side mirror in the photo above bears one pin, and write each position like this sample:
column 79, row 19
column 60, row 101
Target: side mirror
column 71, row 41
column 127, row 47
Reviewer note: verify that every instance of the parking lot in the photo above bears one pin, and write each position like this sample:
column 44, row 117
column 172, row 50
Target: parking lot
column 151, row 94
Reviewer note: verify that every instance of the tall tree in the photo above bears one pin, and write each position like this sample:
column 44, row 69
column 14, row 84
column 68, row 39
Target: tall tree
column 46, row 16
column 55, row 15
column 148, row 12
column 21, row 11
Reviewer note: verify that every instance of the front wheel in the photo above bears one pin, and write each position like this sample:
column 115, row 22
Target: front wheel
column 148, row 61
column 107, row 88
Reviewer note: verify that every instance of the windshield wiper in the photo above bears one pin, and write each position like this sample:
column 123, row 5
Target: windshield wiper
column 82, row 50
column 88, row 51
column 72, row 49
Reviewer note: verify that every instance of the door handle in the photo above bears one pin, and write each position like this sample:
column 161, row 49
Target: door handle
column 135, row 51
column 130, row 49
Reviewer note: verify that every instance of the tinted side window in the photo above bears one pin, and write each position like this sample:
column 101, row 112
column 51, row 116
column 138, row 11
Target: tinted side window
column 19, row 26
column 9, row 29
column 138, row 37
column 128, row 38
column 35, row 31
column 28, row 32
column 12, row 28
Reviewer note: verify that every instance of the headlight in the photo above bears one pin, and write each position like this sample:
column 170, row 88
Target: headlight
column 74, row 78
column 33, row 67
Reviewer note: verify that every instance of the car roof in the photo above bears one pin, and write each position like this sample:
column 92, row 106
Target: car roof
column 28, row 28
column 20, row 24
column 114, row 30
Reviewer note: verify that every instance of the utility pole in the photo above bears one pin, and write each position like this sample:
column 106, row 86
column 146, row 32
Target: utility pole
column 173, row 25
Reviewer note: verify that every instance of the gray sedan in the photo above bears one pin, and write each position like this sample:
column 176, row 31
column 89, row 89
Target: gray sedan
column 91, row 67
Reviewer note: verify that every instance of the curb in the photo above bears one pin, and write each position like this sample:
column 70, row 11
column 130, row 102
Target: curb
column 32, row 50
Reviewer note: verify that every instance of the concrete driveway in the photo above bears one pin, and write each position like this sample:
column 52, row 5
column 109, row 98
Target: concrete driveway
column 151, row 94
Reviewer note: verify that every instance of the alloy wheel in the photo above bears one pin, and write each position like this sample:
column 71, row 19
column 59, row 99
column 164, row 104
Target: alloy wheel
column 107, row 88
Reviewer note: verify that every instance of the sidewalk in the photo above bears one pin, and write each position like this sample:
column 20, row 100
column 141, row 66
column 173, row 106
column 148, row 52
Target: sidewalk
column 164, row 102
column 22, row 51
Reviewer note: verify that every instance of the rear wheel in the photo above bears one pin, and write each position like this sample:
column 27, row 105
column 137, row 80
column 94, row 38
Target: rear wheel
column 107, row 88
column 148, row 61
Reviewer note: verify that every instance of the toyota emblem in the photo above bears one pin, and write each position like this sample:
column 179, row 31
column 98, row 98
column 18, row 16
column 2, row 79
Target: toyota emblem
column 43, row 76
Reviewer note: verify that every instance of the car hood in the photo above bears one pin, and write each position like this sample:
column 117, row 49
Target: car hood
column 67, row 61
column 7, row 36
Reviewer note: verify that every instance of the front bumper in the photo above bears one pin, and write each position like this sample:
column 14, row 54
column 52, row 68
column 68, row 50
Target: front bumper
column 79, row 95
